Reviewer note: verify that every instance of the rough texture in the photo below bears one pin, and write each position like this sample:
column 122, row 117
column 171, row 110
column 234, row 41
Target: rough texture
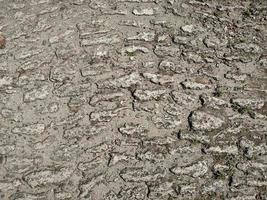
column 2, row 42
column 133, row 99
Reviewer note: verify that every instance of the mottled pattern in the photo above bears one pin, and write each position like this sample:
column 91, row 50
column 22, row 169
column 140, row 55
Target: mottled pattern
column 133, row 99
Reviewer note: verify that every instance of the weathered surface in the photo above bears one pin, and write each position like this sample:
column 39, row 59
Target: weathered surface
column 133, row 100
column 204, row 121
column 2, row 42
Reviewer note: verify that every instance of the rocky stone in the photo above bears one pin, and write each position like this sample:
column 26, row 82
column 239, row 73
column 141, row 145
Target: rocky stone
column 203, row 121
column 193, row 57
column 39, row 93
column 236, row 76
column 152, row 154
column 144, row 12
column 146, row 95
column 6, row 149
column 254, row 104
column 5, row 81
column 248, row 166
column 105, row 116
column 198, row 169
column 188, row 28
column 223, row 150
column 71, row 90
column 2, row 41
column 29, row 129
column 143, row 36
column 47, row 176
column 9, row 114
column 248, row 48
column 87, row 187
column 185, row 100
column 213, row 102
column 182, row 40
column 63, row 195
column 162, row 191
column 133, row 23
column 95, row 164
column 158, row 79
column 140, row 175
column 194, row 85
column 164, row 51
column 119, row 157
column 166, row 121
column 189, row 190
column 65, row 152
column 133, row 130
column 212, row 42
column 137, row 192
column 123, row 81
column 7, row 186
column 105, row 97
column 106, row 40
column 132, row 100
column 28, row 196
column 168, row 66
column 220, row 169
column 196, row 137
column 16, row 164
column 132, row 50
column 83, row 131
column 62, row 73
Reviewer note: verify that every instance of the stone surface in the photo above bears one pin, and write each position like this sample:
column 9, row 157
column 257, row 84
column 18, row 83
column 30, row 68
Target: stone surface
column 204, row 121
column 40, row 178
column 2, row 41
column 39, row 93
column 196, row 170
column 133, row 100
column 31, row 129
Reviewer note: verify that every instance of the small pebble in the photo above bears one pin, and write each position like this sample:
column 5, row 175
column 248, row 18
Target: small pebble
column 2, row 42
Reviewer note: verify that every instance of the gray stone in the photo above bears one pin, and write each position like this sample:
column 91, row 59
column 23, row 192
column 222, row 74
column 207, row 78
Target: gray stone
column 198, row 169
column 39, row 93
column 159, row 79
column 30, row 129
column 47, row 176
column 136, row 174
column 144, row 12
column 250, row 103
column 203, row 121
column 146, row 95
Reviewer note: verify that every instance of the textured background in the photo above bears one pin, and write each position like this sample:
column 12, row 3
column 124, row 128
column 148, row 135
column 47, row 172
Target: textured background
column 133, row 99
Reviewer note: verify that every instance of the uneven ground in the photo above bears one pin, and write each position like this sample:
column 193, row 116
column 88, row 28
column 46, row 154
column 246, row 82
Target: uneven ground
column 133, row 99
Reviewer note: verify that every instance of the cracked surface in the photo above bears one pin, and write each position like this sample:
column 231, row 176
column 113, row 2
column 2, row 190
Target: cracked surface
column 133, row 99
